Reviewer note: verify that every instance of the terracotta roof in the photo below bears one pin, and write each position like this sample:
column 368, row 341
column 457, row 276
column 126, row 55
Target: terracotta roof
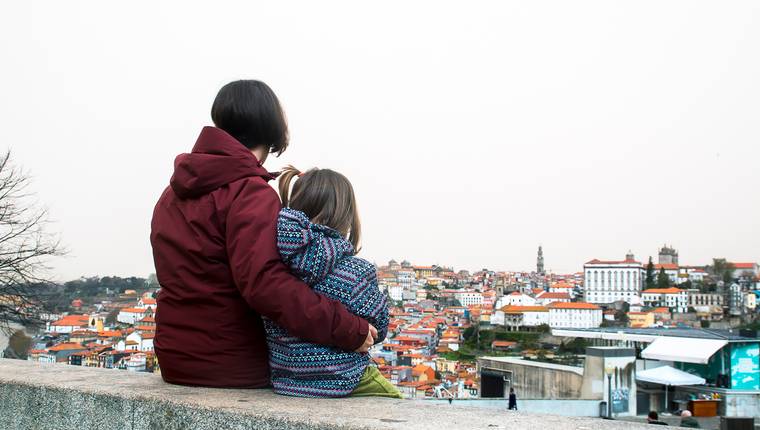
column 573, row 305
column 72, row 320
column 66, row 346
column 514, row 309
column 595, row 261
column 671, row 290
column 743, row 265
column 135, row 310
column 548, row 295
column 666, row 266
column 503, row 343
column 110, row 333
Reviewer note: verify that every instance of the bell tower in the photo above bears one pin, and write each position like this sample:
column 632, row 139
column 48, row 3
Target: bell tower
column 540, row 262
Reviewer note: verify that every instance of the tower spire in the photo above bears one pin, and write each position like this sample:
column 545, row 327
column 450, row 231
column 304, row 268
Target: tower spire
column 540, row 261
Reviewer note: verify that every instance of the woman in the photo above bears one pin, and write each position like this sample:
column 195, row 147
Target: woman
column 213, row 237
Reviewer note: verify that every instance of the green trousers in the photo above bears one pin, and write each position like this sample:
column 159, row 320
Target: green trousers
column 374, row 384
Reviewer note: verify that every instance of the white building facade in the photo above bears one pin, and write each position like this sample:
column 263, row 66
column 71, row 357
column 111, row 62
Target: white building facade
column 574, row 315
column 675, row 299
column 611, row 281
column 469, row 298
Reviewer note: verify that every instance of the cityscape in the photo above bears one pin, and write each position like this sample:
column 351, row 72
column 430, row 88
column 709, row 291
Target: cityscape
column 470, row 337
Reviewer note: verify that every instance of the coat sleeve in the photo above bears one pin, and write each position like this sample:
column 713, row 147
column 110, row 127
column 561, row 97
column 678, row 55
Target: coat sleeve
column 369, row 302
column 265, row 282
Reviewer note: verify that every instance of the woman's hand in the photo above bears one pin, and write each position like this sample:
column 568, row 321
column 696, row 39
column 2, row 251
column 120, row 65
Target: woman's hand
column 369, row 341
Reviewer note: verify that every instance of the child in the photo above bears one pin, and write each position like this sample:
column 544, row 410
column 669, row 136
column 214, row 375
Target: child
column 317, row 236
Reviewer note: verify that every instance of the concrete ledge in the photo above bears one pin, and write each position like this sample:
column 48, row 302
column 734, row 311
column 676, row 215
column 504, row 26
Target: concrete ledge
column 55, row 396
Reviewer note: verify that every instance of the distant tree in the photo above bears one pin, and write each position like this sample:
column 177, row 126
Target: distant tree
column 723, row 270
column 649, row 282
column 111, row 317
column 152, row 281
column 18, row 345
column 687, row 285
column 468, row 332
column 25, row 247
column 662, row 279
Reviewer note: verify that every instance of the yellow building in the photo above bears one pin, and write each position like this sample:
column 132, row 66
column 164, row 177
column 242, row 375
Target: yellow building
column 640, row 319
column 423, row 271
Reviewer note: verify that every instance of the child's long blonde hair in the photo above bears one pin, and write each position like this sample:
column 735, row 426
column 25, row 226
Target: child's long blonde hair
column 326, row 197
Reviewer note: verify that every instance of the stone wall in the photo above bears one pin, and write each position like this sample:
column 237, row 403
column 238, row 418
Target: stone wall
column 56, row 396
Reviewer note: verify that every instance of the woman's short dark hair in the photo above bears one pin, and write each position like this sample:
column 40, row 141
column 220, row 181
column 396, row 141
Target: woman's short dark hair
column 250, row 112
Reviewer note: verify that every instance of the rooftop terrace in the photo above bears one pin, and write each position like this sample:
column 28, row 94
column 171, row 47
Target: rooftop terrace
column 70, row 397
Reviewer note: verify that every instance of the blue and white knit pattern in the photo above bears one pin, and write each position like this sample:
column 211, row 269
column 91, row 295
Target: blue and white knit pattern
column 324, row 260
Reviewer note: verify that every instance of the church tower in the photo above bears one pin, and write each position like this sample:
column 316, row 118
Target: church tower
column 667, row 255
column 540, row 262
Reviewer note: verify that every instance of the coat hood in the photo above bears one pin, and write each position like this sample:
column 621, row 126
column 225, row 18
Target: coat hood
column 310, row 250
column 216, row 160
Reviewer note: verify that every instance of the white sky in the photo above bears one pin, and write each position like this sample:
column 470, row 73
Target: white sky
column 473, row 132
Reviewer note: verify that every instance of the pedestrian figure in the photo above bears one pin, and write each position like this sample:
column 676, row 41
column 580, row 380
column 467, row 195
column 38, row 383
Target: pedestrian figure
column 512, row 399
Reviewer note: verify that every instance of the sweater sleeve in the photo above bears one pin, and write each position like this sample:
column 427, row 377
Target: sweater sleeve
column 266, row 284
column 310, row 250
column 369, row 302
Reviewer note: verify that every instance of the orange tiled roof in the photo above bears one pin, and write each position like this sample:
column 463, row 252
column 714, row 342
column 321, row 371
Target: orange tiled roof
column 72, row 320
column 515, row 309
column 503, row 343
column 548, row 295
column 671, row 290
column 135, row 310
column 66, row 346
column 596, row 261
column 667, row 266
column 573, row 305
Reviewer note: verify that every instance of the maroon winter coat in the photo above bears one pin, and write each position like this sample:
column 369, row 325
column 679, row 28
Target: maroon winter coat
column 213, row 235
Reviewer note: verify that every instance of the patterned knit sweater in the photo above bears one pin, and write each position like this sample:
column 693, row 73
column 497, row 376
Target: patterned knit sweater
column 324, row 260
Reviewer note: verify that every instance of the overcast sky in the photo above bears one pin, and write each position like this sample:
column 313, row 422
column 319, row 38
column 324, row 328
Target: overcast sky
column 472, row 132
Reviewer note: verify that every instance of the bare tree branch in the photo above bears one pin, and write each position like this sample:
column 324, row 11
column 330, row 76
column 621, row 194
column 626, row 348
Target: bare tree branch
column 25, row 247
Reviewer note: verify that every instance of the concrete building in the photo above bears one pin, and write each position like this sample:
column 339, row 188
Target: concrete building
column 667, row 255
column 469, row 298
column 640, row 319
column 704, row 299
column 675, row 299
column 69, row 323
column 515, row 318
column 547, row 297
column 574, row 314
column 567, row 386
column 611, row 281
column 729, row 360
column 515, row 298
